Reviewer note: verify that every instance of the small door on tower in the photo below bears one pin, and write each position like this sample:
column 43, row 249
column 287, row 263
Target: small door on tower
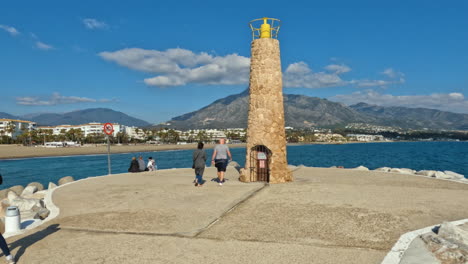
column 260, row 157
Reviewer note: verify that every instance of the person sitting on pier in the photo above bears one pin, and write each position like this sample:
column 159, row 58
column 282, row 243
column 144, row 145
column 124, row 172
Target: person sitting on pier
column 152, row 164
column 141, row 164
column 134, row 167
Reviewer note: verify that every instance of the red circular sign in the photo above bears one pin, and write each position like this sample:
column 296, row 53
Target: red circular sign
column 108, row 128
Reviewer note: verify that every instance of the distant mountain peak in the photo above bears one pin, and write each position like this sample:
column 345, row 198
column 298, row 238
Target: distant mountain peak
column 304, row 111
column 85, row 116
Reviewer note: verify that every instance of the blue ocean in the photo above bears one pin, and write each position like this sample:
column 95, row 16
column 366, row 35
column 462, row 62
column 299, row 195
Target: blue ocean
column 414, row 155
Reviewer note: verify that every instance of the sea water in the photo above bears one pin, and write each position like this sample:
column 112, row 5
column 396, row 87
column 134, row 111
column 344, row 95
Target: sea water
column 441, row 156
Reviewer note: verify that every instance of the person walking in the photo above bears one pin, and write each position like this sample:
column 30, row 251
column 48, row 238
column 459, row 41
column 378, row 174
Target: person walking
column 199, row 161
column 220, row 159
column 3, row 244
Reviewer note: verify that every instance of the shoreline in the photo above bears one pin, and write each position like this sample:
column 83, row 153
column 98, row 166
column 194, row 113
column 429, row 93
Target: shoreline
column 8, row 152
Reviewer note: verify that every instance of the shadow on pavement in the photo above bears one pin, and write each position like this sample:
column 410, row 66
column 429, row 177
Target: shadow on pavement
column 27, row 241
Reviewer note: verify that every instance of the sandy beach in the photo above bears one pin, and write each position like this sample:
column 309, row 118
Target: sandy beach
column 18, row 151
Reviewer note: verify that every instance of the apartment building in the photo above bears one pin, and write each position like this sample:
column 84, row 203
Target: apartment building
column 13, row 128
column 365, row 138
column 135, row 132
column 87, row 129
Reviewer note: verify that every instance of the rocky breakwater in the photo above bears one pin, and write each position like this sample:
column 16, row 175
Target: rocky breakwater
column 29, row 200
column 445, row 175
column 448, row 243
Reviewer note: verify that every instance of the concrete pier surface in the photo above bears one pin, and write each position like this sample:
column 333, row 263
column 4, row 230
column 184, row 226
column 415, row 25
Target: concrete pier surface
column 324, row 216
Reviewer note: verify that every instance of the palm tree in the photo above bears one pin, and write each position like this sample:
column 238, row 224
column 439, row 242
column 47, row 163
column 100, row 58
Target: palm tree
column 2, row 134
column 62, row 135
column 79, row 134
column 11, row 127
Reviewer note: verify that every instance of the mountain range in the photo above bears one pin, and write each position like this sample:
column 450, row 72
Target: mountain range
column 101, row 115
column 300, row 112
column 304, row 111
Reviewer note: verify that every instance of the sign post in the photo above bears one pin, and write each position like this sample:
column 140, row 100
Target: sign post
column 108, row 130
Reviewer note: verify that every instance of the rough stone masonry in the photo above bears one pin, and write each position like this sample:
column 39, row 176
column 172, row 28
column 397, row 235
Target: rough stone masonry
column 266, row 111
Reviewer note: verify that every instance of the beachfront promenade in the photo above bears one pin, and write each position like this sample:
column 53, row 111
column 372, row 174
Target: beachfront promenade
column 324, row 216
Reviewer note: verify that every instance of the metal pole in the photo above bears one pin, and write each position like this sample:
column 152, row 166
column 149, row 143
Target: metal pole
column 108, row 155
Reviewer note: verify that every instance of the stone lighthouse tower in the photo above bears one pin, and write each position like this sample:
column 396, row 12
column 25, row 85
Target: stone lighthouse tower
column 266, row 138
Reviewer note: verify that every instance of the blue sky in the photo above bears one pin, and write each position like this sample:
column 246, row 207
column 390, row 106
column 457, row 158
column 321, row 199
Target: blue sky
column 159, row 59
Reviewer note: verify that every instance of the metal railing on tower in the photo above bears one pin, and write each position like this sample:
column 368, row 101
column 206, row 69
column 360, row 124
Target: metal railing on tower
column 268, row 29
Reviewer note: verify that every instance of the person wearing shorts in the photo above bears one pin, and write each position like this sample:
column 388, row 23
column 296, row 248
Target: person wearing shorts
column 220, row 159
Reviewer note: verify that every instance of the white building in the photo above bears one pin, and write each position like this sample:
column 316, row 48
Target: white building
column 212, row 133
column 86, row 129
column 14, row 128
column 135, row 132
column 329, row 137
column 365, row 138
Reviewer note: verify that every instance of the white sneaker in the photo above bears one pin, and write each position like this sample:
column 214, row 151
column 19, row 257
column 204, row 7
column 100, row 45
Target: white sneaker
column 10, row 259
column 220, row 184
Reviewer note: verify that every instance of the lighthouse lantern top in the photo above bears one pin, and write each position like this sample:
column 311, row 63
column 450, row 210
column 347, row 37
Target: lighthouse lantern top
column 268, row 29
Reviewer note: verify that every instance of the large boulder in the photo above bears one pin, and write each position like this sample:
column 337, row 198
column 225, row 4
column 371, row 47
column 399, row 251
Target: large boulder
column 441, row 175
column 454, row 175
column 39, row 195
column 25, row 204
column 29, row 191
column 383, row 169
column 234, row 164
column 42, row 213
column 362, row 168
column 4, row 193
column 38, row 185
column 4, row 203
column 51, row 186
column 18, row 189
column 65, row 179
column 402, row 171
column 407, row 171
column 452, row 232
column 395, row 170
column 12, row 195
column 427, row 173
column 445, row 250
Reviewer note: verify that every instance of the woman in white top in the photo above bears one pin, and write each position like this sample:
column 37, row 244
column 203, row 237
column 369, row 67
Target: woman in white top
column 152, row 164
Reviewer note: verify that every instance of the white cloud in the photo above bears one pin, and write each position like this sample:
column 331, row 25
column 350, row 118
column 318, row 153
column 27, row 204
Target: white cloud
column 391, row 73
column 338, row 68
column 371, row 83
column 92, row 23
column 42, row 46
column 57, row 99
column 175, row 67
column 300, row 75
column 178, row 67
column 453, row 102
column 13, row 31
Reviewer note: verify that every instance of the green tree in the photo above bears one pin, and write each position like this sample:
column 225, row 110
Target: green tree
column 11, row 128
